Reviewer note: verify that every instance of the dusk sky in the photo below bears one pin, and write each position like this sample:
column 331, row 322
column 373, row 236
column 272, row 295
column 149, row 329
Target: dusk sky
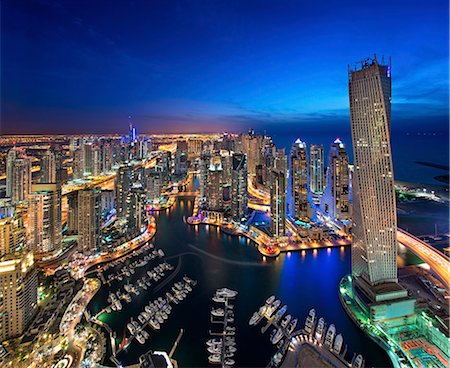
column 209, row 65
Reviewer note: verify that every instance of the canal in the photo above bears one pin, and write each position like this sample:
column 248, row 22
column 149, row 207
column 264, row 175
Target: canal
column 301, row 280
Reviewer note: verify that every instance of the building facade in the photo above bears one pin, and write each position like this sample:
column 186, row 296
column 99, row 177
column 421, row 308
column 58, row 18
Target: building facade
column 239, row 197
column 299, row 180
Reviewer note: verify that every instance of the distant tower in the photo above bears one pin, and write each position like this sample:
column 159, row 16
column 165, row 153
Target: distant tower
column 18, row 176
column 316, row 169
column 335, row 200
column 123, row 183
column 299, row 179
column 374, row 250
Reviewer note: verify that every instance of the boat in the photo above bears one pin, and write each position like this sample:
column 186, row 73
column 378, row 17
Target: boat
column 270, row 300
column 338, row 342
column 292, row 326
column 218, row 299
column 226, row 292
column 229, row 362
column 358, row 361
column 159, row 318
column 277, row 337
column 145, row 334
column 286, row 321
column 214, row 359
column 140, row 338
column 131, row 328
column 277, row 358
column 154, row 324
column 329, row 337
column 141, row 318
column 213, row 341
column 310, row 321
column 320, row 329
column 219, row 312
column 280, row 313
column 214, row 349
column 272, row 308
column 255, row 319
column 231, row 349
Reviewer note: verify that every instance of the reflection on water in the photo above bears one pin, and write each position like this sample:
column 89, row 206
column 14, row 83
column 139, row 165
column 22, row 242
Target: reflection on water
column 302, row 280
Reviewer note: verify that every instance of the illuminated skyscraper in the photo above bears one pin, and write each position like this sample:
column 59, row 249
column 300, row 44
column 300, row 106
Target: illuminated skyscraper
column 48, row 167
column 12, row 231
column 278, row 195
column 18, row 176
column 44, row 217
column 89, row 218
column 374, row 250
column 155, row 180
column 181, row 158
column 214, row 187
column 239, row 186
column 123, row 181
column 18, row 285
column 299, row 180
column 316, row 169
column 335, row 200
column 136, row 207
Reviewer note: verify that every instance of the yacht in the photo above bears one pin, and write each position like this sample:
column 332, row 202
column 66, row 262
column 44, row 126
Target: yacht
column 226, row 292
column 211, row 342
column 214, row 359
column 270, row 300
column 280, row 313
column 277, row 337
column 310, row 321
column 292, row 326
column 286, row 321
column 154, row 324
column 320, row 329
column 145, row 334
column 255, row 319
column 131, row 328
column 229, row 362
column 219, row 312
column 140, row 338
column 214, row 349
column 338, row 342
column 329, row 337
column 358, row 361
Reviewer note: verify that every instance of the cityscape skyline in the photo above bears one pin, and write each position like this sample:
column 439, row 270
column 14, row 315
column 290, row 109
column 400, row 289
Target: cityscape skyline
column 99, row 75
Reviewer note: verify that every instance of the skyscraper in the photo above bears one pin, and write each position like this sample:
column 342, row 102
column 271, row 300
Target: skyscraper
column 374, row 250
column 316, row 169
column 278, row 195
column 89, row 218
column 299, row 180
column 18, row 176
column 12, row 232
column 239, row 186
column 48, row 167
column 18, row 285
column 122, row 185
column 335, row 200
column 44, row 218
column 136, row 207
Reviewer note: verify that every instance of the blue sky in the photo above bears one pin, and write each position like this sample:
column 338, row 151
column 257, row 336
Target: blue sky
column 212, row 65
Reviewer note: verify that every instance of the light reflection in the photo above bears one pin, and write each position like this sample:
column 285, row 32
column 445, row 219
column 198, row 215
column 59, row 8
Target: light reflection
column 329, row 250
column 315, row 253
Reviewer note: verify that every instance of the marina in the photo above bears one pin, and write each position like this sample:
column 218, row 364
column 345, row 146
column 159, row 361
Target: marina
column 314, row 332
column 221, row 347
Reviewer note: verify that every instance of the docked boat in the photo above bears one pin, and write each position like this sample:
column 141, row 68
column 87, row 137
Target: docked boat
column 214, row 359
column 338, row 342
column 280, row 313
column 229, row 362
column 140, row 338
column 358, row 361
column 270, row 300
column 154, row 324
column 320, row 329
column 131, row 328
column 292, row 326
column 286, row 321
column 219, row 312
column 254, row 320
column 329, row 337
column 310, row 321
column 277, row 337
column 214, row 349
column 228, row 293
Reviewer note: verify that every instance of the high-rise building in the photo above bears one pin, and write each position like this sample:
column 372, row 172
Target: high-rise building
column 48, row 167
column 89, row 218
column 316, row 169
column 181, row 158
column 194, row 148
column 374, row 250
column 78, row 164
column 299, row 180
column 214, row 187
column 88, row 159
column 18, row 295
column 252, row 145
column 335, row 201
column 136, row 207
column 12, row 232
column 155, row 181
column 44, row 218
column 278, row 195
column 239, row 197
column 205, row 162
column 18, row 176
column 123, row 181
column 72, row 212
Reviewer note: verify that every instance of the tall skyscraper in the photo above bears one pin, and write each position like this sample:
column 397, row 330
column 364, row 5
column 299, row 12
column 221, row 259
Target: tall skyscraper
column 299, row 180
column 44, row 218
column 214, row 187
column 374, row 250
column 89, row 218
column 335, row 200
column 18, row 285
column 123, row 181
column 278, row 195
column 18, row 176
column 316, row 169
column 88, row 159
column 72, row 212
column 48, row 167
column 136, row 207
column 239, row 186
column 181, row 158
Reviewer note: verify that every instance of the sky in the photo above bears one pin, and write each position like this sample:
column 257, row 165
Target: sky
column 79, row 66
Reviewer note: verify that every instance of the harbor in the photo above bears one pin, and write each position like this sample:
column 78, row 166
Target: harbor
column 221, row 347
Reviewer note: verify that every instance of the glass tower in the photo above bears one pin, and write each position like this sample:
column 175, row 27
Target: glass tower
column 374, row 250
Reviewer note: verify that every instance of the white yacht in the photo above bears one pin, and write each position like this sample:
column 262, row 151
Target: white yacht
column 219, row 312
column 277, row 337
column 270, row 300
column 286, row 321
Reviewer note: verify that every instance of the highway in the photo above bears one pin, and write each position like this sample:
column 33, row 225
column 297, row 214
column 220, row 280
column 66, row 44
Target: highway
column 438, row 262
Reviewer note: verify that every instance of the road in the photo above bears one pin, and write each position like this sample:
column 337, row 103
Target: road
column 438, row 262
